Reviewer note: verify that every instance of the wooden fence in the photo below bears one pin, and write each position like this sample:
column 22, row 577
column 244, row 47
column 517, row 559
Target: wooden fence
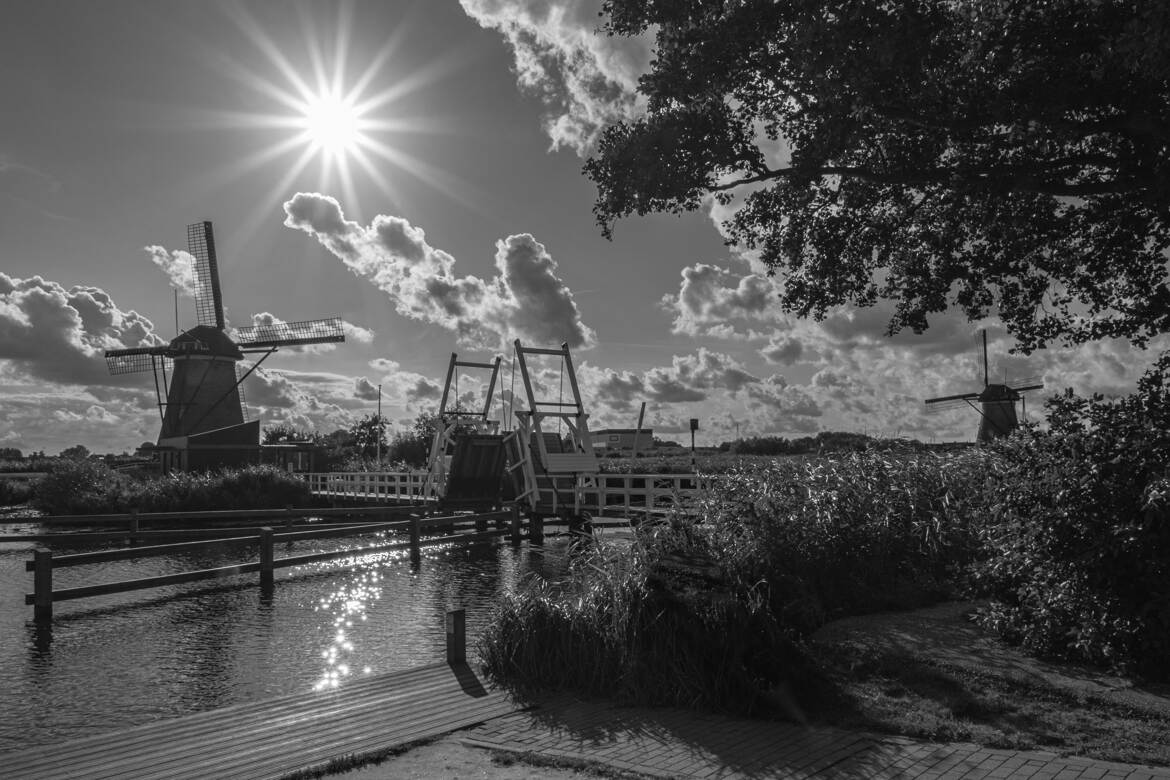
column 455, row 528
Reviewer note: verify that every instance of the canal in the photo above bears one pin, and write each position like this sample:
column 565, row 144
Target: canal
column 121, row 660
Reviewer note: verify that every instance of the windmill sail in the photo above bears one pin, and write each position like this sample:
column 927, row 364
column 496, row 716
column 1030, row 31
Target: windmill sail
column 290, row 334
column 208, row 297
column 132, row 360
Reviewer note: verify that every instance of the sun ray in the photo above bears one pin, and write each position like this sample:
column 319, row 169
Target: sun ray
column 320, row 103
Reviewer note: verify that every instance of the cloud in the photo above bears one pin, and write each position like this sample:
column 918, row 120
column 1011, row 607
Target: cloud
column 526, row 300
column 179, row 266
column 784, row 350
column 61, row 335
column 585, row 79
column 710, row 297
column 363, row 389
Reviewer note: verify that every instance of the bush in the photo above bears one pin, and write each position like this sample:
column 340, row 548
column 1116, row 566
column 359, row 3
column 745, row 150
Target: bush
column 83, row 487
column 848, row 533
column 13, row 492
column 1078, row 561
column 90, row 487
column 248, row 487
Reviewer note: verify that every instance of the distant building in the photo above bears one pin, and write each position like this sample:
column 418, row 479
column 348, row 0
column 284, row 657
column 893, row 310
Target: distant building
column 622, row 441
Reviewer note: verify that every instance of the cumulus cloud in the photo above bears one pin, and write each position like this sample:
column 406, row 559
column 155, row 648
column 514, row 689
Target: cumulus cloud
column 526, row 300
column 585, row 79
column 709, row 298
column 61, row 335
column 179, row 266
column 364, row 389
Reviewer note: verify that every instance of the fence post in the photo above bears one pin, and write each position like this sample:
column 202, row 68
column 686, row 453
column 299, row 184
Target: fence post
column 480, row 523
column 415, row 537
column 288, row 515
column 266, row 558
column 515, row 522
column 457, row 636
column 133, row 521
column 43, row 584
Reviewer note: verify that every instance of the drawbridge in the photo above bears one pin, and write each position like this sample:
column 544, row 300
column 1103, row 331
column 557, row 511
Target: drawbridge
column 543, row 463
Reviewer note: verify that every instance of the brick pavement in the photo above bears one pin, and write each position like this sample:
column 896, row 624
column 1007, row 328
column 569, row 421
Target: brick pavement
column 673, row 743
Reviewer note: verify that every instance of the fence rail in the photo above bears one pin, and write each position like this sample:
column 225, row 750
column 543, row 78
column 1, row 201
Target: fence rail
column 451, row 529
column 628, row 493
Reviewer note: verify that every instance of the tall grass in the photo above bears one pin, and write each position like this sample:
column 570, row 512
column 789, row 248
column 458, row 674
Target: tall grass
column 708, row 612
column 616, row 628
column 849, row 533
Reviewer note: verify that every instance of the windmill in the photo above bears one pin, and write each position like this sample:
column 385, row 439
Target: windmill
column 997, row 403
column 201, row 403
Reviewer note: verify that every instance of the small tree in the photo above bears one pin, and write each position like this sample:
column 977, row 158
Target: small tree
column 76, row 452
column 369, row 433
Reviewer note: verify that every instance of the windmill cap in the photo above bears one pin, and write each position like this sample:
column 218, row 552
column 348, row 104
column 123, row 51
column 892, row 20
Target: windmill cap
column 205, row 340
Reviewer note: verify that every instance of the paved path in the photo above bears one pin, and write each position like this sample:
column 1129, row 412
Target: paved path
column 682, row 744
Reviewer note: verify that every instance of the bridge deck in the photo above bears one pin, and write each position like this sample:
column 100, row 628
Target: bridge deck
column 273, row 738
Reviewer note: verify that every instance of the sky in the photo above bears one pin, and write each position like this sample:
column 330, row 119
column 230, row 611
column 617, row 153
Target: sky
column 413, row 168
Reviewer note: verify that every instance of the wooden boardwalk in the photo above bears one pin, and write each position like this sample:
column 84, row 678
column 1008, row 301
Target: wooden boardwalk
column 274, row 738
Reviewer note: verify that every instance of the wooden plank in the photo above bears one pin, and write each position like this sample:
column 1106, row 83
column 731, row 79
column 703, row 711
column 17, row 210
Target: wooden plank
column 274, row 738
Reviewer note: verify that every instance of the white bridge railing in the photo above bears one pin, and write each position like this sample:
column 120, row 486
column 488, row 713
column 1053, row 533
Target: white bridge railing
column 602, row 493
column 400, row 485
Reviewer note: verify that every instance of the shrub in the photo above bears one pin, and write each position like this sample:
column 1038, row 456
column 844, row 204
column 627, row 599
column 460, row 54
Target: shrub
column 248, row 487
column 82, row 487
column 848, row 533
column 91, row 487
column 13, row 492
column 1079, row 542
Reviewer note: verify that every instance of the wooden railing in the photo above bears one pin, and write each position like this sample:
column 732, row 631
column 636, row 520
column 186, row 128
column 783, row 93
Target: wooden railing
column 626, row 493
column 456, row 528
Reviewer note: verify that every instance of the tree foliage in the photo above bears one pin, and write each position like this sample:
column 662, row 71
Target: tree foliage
column 369, row 434
column 1007, row 158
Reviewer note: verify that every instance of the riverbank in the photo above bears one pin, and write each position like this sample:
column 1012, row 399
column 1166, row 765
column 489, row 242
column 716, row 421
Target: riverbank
column 1045, row 719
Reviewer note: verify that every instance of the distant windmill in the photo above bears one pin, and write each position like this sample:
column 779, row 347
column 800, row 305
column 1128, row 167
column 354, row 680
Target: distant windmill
column 997, row 403
column 204, row 393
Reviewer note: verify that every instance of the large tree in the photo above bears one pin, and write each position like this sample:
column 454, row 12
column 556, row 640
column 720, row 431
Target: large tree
column 1006, row 157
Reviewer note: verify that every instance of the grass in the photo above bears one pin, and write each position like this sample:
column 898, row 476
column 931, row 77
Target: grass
column 912, row 694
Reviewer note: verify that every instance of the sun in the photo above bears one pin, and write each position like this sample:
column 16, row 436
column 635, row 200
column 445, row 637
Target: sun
column 350, row 125
column 332, row 125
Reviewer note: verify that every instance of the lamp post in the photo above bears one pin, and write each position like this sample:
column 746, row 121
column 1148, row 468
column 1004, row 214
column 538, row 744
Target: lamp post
column 378, row 428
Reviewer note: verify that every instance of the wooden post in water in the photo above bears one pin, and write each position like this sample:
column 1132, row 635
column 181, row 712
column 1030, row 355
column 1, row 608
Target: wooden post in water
column 43, row 584
column 516, row 523
column 457, row 636
column 536, row 528
column 266, row 558
column 480, row 523
column 415, row 538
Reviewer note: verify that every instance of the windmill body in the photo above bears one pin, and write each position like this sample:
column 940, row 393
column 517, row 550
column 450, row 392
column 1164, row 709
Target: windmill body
column 200, row 398
column 204, row 371
column 996, row 403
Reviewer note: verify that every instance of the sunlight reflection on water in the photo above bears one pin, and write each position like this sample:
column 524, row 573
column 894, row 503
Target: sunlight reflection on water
column 126, row 659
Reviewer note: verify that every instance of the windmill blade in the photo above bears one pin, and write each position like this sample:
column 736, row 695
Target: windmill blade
column 133, row 360
column 946, row 405
column 1029, row 387
column 1033, row 379
column 959, row 397
column 208, row 298
column 290, row 334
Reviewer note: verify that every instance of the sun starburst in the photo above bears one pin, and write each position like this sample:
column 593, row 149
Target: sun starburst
column 323, row 115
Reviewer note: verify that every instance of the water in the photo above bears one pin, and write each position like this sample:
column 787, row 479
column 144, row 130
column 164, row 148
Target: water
column 111, row 662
